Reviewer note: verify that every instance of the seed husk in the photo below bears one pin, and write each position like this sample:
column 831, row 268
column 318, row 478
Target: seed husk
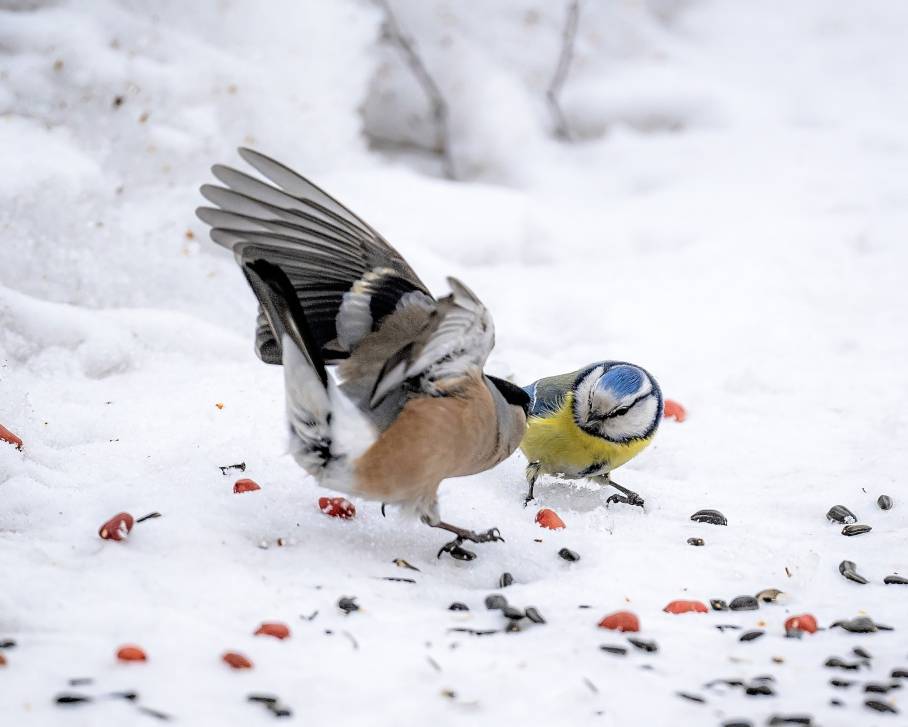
column 153, row 713
column 506, row 580
column 880, row 706
column 513, row 626
column 769, row 595
column 744, row 603
column 696, row 541
column 759, row 690
column 841, row 514
column 899, row 674
column 860, row 625
column 848, row 569
column 279, row 710
column 569, row 555
column 534, row 615
column 751, row 635
column 779, row 719
column 401, row 563
column 895, row 580
column 862, row 652
column 713, row 517
column 69, row 698
column 512, row 613
column 458, row 606
column 348, row 604
column 643, row 644
column 856, row 529
column 738, row 723
column 262, row 698
column 718, row 604
column 474, row 632
column 884, row 502
column 620, row 650
column 725, row 627
column 496, row 601
column 691, row 697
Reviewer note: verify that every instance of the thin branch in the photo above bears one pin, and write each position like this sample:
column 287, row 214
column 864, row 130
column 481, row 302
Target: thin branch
column 430, row 88
column 553, row 94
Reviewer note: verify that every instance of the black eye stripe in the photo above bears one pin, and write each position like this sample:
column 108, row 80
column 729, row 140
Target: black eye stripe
column 625, row 409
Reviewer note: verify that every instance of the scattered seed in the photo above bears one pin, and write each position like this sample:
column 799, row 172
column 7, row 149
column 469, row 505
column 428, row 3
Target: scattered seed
column 836, row 703
column 506, row 580
column 744, row 603
column 848, row 569
column 738, row 723
column 643, row 644
column 474, row 632
column 713, row 517
column 861, row 625
column 277, row 630
column 262, row 698
column 718, row 604
column 458, row 606
column 279, row 710
column 128, row 696
column 496, row 602
column 696, row 541
column 81, row 681
column 884, row 502
column 725, row 627
column 841, row 683
column 534, row 615
column 691, row 697
column 895, row 580
column 236, row 661
column 778, row 719
column 856, row 529
column 245, row 485
column 569, row 555
column 862, row 652
column 397, row 579
column 227, row 467
column 899, row 674
column 347, row 604
column 131, row 653
column 879, row 688
column 7, row 644
column 759, row 690
column 512, row 612
column 751, row 635
column 117, row 528
column 310, row 617
column 841, row 514
column 880, row 706
column 770, row 595
column 725, row 682
column 620, row 650
column 592, row 687
column 153, row 713
column 401, row 563
column 834, row 662
column 72, row 699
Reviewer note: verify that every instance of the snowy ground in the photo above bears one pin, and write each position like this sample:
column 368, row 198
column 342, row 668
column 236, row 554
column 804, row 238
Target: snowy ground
column 733, row 218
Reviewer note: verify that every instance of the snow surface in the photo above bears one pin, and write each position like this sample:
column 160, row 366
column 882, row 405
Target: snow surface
column 732, row 217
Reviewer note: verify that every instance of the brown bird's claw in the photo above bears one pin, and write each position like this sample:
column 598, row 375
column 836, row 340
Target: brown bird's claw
column 632, row 498
column 455, row 551
column 383, row 509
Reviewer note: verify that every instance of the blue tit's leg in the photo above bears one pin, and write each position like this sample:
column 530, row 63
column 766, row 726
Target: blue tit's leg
column 453, row 548
column 532, row 472
column 629, row 497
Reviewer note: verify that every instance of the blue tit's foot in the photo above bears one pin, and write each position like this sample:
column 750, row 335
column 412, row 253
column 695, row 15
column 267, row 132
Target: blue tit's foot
column 631, row 499
column 532, row 472
column 453, row 548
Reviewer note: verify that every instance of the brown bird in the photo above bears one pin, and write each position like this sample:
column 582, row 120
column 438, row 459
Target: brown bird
column 410, row 405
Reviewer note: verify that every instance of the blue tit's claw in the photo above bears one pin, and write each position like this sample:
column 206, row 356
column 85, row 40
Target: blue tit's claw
column 631, row 499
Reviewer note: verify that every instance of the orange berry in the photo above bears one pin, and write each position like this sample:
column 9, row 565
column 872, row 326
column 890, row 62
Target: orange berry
column 549, row 519
column 7, row 436
column 672, row 409
column 804, row 622
column 131, row 653
column 277, row 630
column 337, row 507
column 686, row 607
column 236, row 661
column 620, row 621
column 244, row 485
column 118, row 527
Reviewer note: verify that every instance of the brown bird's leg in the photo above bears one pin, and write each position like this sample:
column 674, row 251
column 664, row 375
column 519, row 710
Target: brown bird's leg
column 629, row 497
column 454, row 547
column 532, row 472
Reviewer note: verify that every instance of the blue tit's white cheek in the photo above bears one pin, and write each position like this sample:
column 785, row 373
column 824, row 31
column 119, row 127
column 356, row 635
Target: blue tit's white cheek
column 635, row 423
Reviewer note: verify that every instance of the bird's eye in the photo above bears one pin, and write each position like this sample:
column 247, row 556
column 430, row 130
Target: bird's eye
column 619, row 412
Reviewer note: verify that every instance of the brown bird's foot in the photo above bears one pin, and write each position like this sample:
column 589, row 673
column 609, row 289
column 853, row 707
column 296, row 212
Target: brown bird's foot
column 628, row 498
column 455, row 551
column 454, row 547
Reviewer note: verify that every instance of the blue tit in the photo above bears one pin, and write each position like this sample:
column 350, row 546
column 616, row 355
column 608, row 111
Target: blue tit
column 409, row 404
column 586, row 423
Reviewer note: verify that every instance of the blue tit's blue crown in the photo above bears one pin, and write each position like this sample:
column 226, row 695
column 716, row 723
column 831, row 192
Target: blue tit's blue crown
column 623, row 380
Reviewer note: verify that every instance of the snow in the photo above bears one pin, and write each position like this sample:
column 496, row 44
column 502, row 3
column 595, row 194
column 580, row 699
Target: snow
column 731, row 217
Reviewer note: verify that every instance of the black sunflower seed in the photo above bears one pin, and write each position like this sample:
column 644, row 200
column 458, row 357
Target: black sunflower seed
column 153, row 713
column 512, row 613
column 691, row 697
column 474, row 632
column 751, row 635
column 643, row 644
column 834, row 662
column 262, row 698
column 884, row 502
column 859, row 625
column 778, row 719
column 841, row 683
column 718, row 604
column 848, row 569
column 496, row 601
column 726, row 682
column 458, row 606
column 862, row 652
column 534, row 615
column 569, row 555
column 696, row 541
column 899, row 674
column 726, row 627
column 895, row 580
column 128, row 696
column 759, row 690
column 620, row 650
column 713, row 517
column 72, row 698
column 347, row 604
column 744, row 603
column 878, row 688
column 880, row 706
column 836, row 703
column 841, row 514
column 738, row 723
column 7, row 644
column 506, row 580
column 856, row 529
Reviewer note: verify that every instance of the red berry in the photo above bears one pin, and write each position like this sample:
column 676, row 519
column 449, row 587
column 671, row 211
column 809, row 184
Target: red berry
column 685, row 607
column 546, row 518
column 245, row 486
column 804, row 622
column 672, row 409
column 118, row 527
column 236, row 661
column 2, row 660
column 7, row 436
column 337, row 507
column 131, row 653
column 620, row 621
column 277, row 630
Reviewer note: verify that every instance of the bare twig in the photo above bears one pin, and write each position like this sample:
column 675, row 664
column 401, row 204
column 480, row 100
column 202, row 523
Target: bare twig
column 427, row 83
column 553, row 94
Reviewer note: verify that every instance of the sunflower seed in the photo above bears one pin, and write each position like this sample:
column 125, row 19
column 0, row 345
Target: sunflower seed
column 769, row 595
column 884, row 502
column 474, row 632
column 496, row 602
column 862, row 652
column 459, row 553
column 643, row 644
column 506, row 580
column 153, row 713
column 458, row 606
column 401, row 563
column 759, row 690
column 72, row 699
column 880, row 706
column 778, row 719
column 691, row 697
column 859, row 625
column 718, row 604
column 836, row 703
column 834, row 662
column 696, row 541
column 841, row 514
column 751, row 635
column 348, row 604
column 899, row 674
column 848, row 569
column 512, row 613
column 620, row 650
column 841, row 683
column 7, row 644
column 569, row 555
column 513, row 626
column 878, row 688
column 534, row 615
column 724, row 627
column 738, row 723
column 895, row 580
column 263, row 698
column 713, row 517
column 744, row 603
column 856, row 529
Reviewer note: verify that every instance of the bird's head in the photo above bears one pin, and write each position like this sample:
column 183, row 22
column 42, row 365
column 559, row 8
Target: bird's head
column 619, row 402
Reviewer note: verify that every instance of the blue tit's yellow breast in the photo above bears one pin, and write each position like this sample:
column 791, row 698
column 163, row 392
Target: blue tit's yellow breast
column 562, row 447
